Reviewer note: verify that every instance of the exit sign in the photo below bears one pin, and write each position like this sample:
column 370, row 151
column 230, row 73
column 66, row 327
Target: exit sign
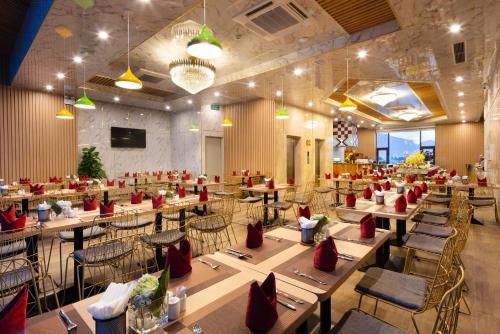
column 215, row 106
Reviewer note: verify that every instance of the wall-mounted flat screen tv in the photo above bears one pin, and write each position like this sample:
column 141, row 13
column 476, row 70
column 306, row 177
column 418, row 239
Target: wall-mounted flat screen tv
column 126, row 137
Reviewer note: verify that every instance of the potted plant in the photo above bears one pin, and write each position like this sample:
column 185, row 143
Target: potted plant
column 91, row 164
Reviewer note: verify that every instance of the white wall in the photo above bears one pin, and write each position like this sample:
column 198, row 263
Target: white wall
column 94, row 129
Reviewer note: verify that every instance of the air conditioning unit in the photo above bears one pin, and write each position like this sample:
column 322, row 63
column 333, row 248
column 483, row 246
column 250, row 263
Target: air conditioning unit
column 273, row 19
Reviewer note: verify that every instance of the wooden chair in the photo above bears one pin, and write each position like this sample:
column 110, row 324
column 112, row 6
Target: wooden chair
column 484, row 198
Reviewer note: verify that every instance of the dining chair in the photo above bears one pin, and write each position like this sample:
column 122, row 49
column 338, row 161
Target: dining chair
column 484, row 198
column 407, row 292
column 440, row 211
column 304, row 198
column 284, row 205
column 357, row 322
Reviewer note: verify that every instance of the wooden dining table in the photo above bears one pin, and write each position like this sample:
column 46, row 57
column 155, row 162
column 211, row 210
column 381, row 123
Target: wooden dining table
column 216, row 301
column 282, row 253
column 263, row 189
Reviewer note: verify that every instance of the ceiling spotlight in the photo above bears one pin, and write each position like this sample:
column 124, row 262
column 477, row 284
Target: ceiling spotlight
column 461, row 104
column 190, row 101
column 463, row 121
column 463, row 116
column 460, row 94
column 60, row 75
column 309, row 104
column 216, row 94
column 102, row 35
column 251, row 84
column 462, row 112
column 459, row 79
column 454, row 28
column 49, row 87
column 362, row 121
column 116, row 98
column 362, row 54
column 167, row 107
column 77, row 59
column 373, row 125
column 336, row 119
column 278, row 93
column 357, row 126
column 332, row 111
column 142, row 114
column 349, row 117
column 298, row 72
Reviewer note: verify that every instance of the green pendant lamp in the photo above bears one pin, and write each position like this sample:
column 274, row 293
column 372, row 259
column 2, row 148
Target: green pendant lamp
column 84, row 102
column 204, row 45
column 282, row 113
column 194, row 128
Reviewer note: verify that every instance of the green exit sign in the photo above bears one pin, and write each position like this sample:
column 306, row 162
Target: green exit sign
column 215, row 106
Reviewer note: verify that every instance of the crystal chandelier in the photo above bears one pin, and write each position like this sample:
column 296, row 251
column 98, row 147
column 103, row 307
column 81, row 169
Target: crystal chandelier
column 192, row 74
column 185, row 31
column 383, row 96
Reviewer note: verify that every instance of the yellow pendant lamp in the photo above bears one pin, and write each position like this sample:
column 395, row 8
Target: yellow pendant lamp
column 64, row 113
column 347, row 105
column 128, row 80
column 226, row 123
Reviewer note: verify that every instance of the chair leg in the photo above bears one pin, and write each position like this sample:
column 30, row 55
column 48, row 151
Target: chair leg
column 414, row 322
column 496, row 212
column 468, row 312
column 359, row 302
column 376, row 307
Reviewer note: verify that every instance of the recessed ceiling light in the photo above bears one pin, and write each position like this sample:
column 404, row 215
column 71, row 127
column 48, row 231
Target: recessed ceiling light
column 459, row 79
column 362, row 121
column 142, row 114
column 216, row 94
column 335, row 119
column 190, row 101
column 49, row 87
column 357, row 125
column 349, row 117
column 278, row 93
column 77, row 59
column 103, row 35
column 332, row 111
column 116, row 98
column 297, row 71
column 460, row 94
column 251, row 84
column 461, row 104
column 381, row 128
column 167, row 107
column 362, row 54
column 60, row 75
column 462, row 112
column 455, row 27
column 463, row 121
column 373, row 125
column 463, row 116
column 309, row 104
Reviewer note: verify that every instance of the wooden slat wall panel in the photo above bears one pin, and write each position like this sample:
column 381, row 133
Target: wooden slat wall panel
column 366, row 142
column 33, row 143
column 249, row 143
column 459, row 144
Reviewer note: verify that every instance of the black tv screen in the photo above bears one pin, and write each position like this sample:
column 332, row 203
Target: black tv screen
column 126, row 137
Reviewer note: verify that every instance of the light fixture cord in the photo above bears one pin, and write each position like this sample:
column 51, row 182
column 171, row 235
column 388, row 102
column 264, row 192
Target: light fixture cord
column 282, row 92
column 204, row 13
column 128, row 39
column 84, row 92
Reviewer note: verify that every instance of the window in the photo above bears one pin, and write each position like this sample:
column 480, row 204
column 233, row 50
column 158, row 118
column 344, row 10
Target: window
column 392, row 147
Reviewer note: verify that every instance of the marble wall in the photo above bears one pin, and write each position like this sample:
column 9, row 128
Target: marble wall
column 94, row 129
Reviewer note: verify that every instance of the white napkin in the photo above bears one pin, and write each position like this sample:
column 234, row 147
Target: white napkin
column 379, row 193
column 44, row 206
column 162, row 192
column 113, row 301
column 400, row 184
column 306, row 223
column 64, row 204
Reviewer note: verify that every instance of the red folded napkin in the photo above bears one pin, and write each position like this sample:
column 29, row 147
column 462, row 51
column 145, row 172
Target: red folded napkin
column 107, row 209
column 291, row 182
column 410, row 178
column 270, row 185
column 136, row 198
column 246, row 173
column 359, row 176
column 440, row 179
column 170, row 177
column 418, row 191
column 10, row 213
column 83, row 178
column 127, row 174
column 328, row 176
column 181, row 192
column 158, row 177
column 353, row 177
column 400, row 204
column 377, row 187
column 217, row 179
column 121, row 184
column 146, row 173
column 367, row 226
column 234, row 173
column 482, row 182
column 326, row 255
column 37, row 189
column 89, row 204
column 110, row 183
column 304, row 212
column 72, row 185
column 155, row 173
column 370, row 171
column 81, row 189
column 387, row 185
column 381, row 172
column 453, row 173
column 179, row 260
column 8, row 224
column 52, row 179
column 188, row 176
column 249, row 183
column 157, row 201
column 203, row 195
column 134, row 174
column 13, row 315
column 184, row 178
column 336, row 175
column 199, row 180
column 367, row 193
column 261, row 308
column 350, row 200
column 411, row 197
column 424, row 187
column 255, row 235
column 257, row 172
column 25, row 180
column 375, row 178
column 183, row 171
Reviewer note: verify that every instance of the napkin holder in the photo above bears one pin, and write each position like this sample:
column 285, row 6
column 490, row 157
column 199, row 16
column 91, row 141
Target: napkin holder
column 465, row 180
column 307, row 236
column 43, row 214
column 400, row 188
column 116, row 325
column 379, row 199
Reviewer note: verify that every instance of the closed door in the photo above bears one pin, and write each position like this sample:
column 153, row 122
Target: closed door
column 213, row 156
column 290, row 157
column 317, row 158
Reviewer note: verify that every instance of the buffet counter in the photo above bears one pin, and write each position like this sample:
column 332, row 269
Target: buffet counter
column 351, row 168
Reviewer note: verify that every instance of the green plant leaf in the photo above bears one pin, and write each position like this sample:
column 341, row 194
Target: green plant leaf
column 54, row 206
column 159, row 295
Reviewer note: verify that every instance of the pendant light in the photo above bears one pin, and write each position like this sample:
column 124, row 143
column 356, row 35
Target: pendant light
column 64, row 113
column 347, row 105
column 282, row 113
column 128, row 80
column 204, row 45
column 84, row 102
column 226, row 123
column 194, row 128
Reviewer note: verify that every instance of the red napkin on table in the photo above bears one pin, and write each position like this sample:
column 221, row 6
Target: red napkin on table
column 13, row 315
column 217, row 179
column 440, row 179
column 184, row 178
column 249, row 183
column 359, row 176
column 179, row 260
column 387, row 185
column 328, row 176
column 158, row 177
column 127, row 174
column 52, row 179
column 375, row 178
column 255, row 235
column 335, row 175
column 482, row 182
column 199, row 181
column 411, row 197
column 25, row 180
column 121, row 184
column 83, row 178
column 367, row 226
column 410, row 178
column 377, row 187
column 110, row 183
column 246, row 173
column 367, row 193
column 326, row 255
column 418, row 191
column 170, row 177
column 89, row 204
column 365, row 172
column 354, row 177
column 350, row 200
column 81, row 189
column 261, row 308
column 155, row 174
column 183, row 171
column 257, row 172
column 453, row 173
column 424, row 187
column 270, row 185
column 8, row 224
column 400, row 204
column 134, row 174
column 381, row 172
column 203, row 195
column 291, row 182
column 181, row 192
column 304, row 212
column 107, row 209
column 72, row 185
column 234, row 173
column 136, row 198
column 10, row 213
column 157, row 201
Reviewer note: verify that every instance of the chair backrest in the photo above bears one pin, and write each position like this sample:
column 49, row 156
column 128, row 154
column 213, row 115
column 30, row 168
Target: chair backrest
column 449, row 309
column 309, row 191
column 290, row 194
column 15, row 243
column 462, row 225
column 439, row 284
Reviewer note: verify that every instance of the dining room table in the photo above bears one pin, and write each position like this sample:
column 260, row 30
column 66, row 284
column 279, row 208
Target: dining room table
column 217, row 297
column 291, row 261
column 265, row 190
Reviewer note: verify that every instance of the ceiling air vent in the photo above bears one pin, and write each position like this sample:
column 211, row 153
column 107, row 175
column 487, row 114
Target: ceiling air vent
column 459, row 52
column 273, row 19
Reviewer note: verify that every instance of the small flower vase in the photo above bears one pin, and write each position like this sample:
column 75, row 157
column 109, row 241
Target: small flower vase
column 147, row 318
